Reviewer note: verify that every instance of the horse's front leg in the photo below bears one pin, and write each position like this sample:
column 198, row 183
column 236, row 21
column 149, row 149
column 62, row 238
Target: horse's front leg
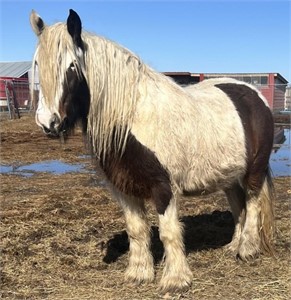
column 140, row 267
column 176, row 274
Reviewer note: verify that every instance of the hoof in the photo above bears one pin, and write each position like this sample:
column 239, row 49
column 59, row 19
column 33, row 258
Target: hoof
column 248, row 250
column 247, row 256
column 138, row 274
column 232, row 247
column 176, row 283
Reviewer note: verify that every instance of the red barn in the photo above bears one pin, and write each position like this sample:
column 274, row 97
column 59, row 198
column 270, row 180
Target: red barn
column 271, row 85
column 14, row 86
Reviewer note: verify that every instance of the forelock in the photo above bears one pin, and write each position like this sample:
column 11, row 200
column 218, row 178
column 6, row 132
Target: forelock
column 54, row 53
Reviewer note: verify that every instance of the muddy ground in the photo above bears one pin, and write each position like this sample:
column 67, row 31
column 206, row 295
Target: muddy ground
column 63, row 236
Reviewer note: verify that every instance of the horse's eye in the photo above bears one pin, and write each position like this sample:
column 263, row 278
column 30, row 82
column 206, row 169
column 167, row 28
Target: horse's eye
column 72, row 67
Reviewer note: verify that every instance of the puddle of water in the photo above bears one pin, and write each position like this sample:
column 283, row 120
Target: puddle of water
column 280, row 160
column 6, row 169
column 85, row 156
column 52, row 166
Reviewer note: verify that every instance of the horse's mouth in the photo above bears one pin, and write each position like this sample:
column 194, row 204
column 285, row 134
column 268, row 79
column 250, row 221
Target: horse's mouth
column 60, row 131
column 50, row 133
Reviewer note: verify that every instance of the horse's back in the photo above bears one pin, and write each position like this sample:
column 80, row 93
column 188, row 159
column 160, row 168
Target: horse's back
column 196, row 133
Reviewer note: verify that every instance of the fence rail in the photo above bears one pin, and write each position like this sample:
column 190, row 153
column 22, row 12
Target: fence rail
column 15, row 97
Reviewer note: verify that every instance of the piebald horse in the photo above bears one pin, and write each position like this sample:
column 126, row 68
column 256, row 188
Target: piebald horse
column 156, row 140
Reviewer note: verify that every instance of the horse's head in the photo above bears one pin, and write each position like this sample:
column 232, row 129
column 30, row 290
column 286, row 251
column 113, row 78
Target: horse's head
column 64, row 95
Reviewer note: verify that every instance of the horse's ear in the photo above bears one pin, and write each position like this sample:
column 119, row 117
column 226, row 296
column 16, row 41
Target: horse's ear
column 37, row 23
column 74, row 26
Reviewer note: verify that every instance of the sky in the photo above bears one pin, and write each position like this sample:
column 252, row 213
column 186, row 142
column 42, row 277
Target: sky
column 208, row 36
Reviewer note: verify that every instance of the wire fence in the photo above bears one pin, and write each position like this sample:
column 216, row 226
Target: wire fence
column 15, row 97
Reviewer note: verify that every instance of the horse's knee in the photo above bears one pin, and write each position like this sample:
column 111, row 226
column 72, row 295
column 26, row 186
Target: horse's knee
column 161, row 196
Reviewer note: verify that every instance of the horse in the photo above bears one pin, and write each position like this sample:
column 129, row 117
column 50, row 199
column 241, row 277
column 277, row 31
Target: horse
column 156, row 140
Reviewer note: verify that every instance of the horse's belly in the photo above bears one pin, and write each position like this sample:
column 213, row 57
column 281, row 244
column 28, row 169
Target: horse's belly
column 205, row 178
column 216, row 163
column 213, row 166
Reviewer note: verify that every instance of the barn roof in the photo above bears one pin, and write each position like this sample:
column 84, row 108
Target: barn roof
column 14, row 69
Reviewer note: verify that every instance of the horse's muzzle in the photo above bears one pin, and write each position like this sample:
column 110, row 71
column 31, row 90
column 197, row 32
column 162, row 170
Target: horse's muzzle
column 57, row 128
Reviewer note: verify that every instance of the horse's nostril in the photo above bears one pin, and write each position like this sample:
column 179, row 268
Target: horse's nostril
column 54, row 122
column 46, row 130
column 54, row 126
column 52, row 133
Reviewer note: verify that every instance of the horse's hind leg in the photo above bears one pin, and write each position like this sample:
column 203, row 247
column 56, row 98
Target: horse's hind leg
column 249, row 245
column 140, row 267
column 257, row 233
column 237, row 200
column 176, row 273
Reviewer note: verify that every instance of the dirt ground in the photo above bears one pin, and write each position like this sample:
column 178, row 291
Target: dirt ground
column 63, row 236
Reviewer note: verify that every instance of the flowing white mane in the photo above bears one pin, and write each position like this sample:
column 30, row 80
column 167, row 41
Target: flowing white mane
column 112, row 72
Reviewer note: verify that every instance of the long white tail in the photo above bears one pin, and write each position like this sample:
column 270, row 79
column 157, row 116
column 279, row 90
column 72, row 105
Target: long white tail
column 267, row 196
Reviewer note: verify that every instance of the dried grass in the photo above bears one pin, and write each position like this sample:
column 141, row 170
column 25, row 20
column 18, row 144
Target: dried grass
column 62, row 236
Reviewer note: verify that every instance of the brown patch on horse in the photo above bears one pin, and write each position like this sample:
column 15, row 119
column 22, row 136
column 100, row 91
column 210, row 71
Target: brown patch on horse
column 75, row 101
column 258, row 126
column 139, row 173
